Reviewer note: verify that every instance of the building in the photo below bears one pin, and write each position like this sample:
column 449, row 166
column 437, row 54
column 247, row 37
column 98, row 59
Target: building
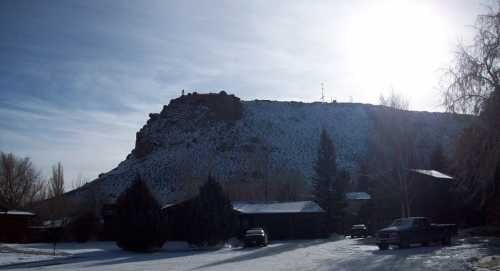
column 431, row 195
column 15, row 225
column 356, row 210
column 355, row 201
column 283, row 220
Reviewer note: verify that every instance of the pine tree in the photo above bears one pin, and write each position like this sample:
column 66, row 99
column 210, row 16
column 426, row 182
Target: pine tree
column 139, row 219
column 329, row 184
column 325, row 169
column 339, row 202
column 213, row 219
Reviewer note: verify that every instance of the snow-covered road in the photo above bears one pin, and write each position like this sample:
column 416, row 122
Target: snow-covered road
column 346, row 254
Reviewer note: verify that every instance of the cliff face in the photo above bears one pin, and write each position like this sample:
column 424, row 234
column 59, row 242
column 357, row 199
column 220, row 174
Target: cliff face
column 237, row 140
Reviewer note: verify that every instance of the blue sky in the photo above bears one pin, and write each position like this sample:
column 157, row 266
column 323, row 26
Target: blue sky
column 78, row 78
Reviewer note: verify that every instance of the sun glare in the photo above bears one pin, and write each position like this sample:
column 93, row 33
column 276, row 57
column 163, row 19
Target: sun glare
column 397, row 44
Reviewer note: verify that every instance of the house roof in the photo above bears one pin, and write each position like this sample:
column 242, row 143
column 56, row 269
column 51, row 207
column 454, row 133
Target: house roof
column 275, row 208
column 168, row 205
column 358, row 196
column 433, row 173
column 16, row 212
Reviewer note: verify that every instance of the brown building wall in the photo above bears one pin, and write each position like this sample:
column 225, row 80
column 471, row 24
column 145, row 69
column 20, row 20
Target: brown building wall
column 15, row 228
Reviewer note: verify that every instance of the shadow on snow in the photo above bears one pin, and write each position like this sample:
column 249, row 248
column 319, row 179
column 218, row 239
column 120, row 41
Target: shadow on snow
column 271, row 250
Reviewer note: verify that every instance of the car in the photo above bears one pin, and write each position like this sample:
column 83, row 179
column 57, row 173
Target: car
column 358, row 230
column 255, row 237
column 411, row 230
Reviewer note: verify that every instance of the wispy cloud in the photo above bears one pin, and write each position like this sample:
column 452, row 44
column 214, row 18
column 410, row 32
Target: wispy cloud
column 78, row 79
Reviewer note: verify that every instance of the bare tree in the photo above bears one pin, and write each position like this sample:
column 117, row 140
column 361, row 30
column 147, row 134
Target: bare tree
column 58, row 206
column 395, row 101
column 57, row 181
column 20, row 182
column 469, row 82
column 394, row 147
column 79, row 181
column 472, row 85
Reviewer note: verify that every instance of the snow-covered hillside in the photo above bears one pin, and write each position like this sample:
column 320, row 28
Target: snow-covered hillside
column 233, row 140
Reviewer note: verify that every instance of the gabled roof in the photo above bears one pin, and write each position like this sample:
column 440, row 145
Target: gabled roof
column 277, row 208
column 432, row 173
column 358, row 196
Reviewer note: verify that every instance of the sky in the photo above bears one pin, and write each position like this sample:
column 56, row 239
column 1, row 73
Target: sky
column 79, row 78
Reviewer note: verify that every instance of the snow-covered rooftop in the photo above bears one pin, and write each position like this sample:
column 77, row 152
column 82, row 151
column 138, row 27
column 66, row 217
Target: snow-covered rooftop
column 274, row 208
column 358, row 196
column 433, row 173
column 17, row 212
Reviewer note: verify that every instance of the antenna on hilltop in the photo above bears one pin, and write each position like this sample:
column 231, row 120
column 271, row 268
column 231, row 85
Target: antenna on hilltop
column 322, row 92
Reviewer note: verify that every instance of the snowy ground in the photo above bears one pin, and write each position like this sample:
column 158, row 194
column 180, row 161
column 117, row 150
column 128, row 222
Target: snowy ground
column 346, row 254
column 8, row 258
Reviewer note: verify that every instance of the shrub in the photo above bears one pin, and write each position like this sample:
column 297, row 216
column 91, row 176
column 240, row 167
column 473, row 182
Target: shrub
column 212, row 216
column 139, row 219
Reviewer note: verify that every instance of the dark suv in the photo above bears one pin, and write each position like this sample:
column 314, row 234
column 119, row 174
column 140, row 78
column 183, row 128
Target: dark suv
column 358, row 230
column 255, row 237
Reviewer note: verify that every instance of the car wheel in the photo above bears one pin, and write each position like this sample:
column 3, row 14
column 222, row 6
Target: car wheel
column 383, row 246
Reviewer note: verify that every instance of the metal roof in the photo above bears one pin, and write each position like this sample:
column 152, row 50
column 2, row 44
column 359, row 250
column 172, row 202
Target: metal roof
column 17, row 212
column 278, row 208
column 432, row 173
column 358, row 196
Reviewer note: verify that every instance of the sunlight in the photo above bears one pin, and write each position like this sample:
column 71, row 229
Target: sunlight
column 398, row 44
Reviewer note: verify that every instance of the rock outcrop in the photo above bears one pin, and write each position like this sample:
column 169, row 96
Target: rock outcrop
column 198, row 134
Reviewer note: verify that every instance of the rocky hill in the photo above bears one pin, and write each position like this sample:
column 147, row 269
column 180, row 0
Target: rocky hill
column 198, row 134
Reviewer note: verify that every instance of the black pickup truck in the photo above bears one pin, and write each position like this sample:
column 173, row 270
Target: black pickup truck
column 406, row 231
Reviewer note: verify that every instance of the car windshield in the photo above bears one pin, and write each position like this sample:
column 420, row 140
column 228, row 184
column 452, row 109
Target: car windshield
column 401, row 222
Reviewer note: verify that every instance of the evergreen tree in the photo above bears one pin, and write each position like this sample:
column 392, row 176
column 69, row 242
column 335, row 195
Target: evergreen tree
column 339, row 202
column 325, row 169
column 213, row 218
column 329, row 185
column 139, row 219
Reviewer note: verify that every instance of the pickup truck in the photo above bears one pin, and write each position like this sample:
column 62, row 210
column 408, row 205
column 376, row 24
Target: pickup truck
column 406, row 231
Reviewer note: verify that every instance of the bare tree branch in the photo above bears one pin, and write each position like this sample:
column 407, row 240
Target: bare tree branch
column 20, row 182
